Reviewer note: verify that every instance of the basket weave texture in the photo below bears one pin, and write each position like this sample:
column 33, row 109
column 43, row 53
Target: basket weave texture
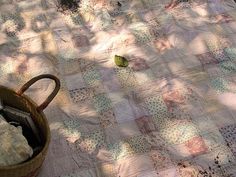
column 20, row 101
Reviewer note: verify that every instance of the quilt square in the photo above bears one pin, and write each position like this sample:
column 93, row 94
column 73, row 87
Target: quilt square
column 222, row 118
column 158, row 111
column 223, row 156
column 126, row 77
column 80, row 41
column 190, row 168
column 112, row 85
column 228, row 169
column 156, row 106
column 74, row 81
column 101, row 102
column 228, row 67
column 145, row 124
column 222, row 18
column 205, row 123
column 91, row 141
column 196, row 146
column 169, row 172
column 173, row 97
column 138, row 64
column 214, row 71
column 160, row 159
column 191, row 61
column 179, row 152
column 181, row 112
column 156, row 141
column 141, row 33
column 229, row 134
column 81, row 94
column 206, row 59
column 71, row 130
column 219, row 84
column 107, row 118
column 127, row 167
column 139, row 144
column 120, row 150
column 161, row 70
column 86, row 64
column 129, row 129
column 144, row 76
column 220, row 55
column 92, row 77
column 123, row 111
column 70, row 66
column 107, row 169
column 179, row 131
column 231, row 53
column 213, row 139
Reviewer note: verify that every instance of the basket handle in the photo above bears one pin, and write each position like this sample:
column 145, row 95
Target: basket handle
column 50, row 97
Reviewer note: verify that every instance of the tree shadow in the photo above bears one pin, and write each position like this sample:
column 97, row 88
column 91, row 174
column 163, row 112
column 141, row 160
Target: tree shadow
column 69, row 137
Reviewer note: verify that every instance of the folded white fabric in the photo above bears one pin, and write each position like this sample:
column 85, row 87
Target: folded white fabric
column 1, row 118
column 14, row 147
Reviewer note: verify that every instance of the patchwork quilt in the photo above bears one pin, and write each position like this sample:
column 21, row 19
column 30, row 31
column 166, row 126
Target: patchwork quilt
column 170, row 113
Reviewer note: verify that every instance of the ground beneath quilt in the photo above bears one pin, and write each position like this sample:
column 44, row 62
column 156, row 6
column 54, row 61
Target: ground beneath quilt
column 171, row 112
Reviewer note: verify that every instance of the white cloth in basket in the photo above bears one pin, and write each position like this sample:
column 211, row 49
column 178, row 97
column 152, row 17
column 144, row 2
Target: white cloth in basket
column 14, row 147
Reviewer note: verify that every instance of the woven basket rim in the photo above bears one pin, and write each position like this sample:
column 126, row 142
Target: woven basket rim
column 48, row 137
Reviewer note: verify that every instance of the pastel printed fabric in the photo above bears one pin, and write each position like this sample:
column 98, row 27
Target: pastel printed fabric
column 170, row 113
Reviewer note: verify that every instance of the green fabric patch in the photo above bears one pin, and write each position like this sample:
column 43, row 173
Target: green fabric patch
column 101, row 102
column 126, row 77
column 219, row 84
column 90, row 142
column 133, row 145
column 92, row 77
column 228, row 67
column 231, row 53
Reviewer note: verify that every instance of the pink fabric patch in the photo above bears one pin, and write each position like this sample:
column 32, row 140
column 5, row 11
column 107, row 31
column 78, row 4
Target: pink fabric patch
column 196, row 146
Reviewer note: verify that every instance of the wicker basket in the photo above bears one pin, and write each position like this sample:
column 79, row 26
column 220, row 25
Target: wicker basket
column 18, row 100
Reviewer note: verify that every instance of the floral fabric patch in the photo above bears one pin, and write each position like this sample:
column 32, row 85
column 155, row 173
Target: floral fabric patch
column 107, row 118
column 90, row 142
column 101, row 102
column 219, row 84
column 134, row 145
column 229, row 134
column 196, row 146
column 81, row 94
column 179, row 131
column 228, row 67
column 92, row 77
column 126, row 77
column 161, row 159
